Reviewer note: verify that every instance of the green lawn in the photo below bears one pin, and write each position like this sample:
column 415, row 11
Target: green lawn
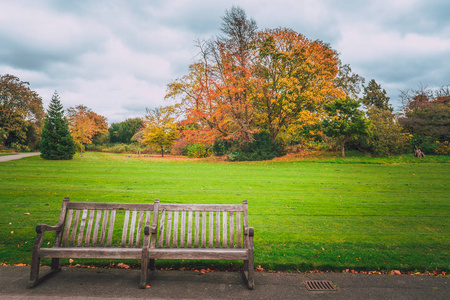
column 324, row 213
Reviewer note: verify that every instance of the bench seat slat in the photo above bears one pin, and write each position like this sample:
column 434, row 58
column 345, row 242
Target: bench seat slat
column 169, row 228
column 161, row 229
column 183, row 228
column 199, row 253
column 91, row 252
column 197, row 228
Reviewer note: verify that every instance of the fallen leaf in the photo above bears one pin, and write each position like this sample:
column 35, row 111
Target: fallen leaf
column 397, row 272
column 26, row 214
column 70, row 261
column 20, row 265
column 147, row 286
column 12, row 232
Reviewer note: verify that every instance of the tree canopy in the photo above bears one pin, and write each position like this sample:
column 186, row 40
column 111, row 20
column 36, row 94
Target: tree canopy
column 22, row 113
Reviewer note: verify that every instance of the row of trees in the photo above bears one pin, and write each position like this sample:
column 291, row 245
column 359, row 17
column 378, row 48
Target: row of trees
column 251, row 94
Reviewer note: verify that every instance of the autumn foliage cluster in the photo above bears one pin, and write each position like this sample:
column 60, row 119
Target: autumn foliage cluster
column 248, row 81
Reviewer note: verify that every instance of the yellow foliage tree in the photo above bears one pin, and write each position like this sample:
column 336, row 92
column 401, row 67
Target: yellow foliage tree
column 160, row 129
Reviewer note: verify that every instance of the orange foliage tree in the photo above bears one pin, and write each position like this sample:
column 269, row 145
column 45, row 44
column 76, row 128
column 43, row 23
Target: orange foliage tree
column 84, row 124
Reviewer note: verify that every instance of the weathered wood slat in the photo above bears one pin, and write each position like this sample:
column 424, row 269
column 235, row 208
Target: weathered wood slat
column 199, row 253
column 110, row 206
column 211, row 230
column 201, row 207
column 125, row 228
column 82, row 226
column 104, row 228
column 67, row 228
column 238, row 230
column 89, row 228
column 168, row 228
column 139, row 229
column 189, row 237
column 91, row 252
column 203, row 229
column 224, row 228
column 161, row 229
column 175, row 229
column 197, row 229
column 96, row 228
column 74, row 228
column 217, row 229
column 111, row 228
column 132, row 228
column 231, row 229
column 183, row 228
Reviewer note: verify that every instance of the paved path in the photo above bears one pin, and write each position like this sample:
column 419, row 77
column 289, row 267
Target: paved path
column 17, row 156
column 75, row 283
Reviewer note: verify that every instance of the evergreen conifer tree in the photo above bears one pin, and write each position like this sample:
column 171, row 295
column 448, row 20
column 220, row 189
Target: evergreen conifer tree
column 56, row 140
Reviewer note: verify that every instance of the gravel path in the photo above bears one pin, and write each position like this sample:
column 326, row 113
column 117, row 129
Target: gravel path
column 17, row 156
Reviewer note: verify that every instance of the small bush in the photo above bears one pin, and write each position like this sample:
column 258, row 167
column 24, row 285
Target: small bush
column 442, row 148
column 198, row 151
column 180, row 147
column 262, row 148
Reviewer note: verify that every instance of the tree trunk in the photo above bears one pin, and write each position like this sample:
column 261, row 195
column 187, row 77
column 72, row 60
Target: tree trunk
column 162, row 151
column 343, row 148
column 81, row 149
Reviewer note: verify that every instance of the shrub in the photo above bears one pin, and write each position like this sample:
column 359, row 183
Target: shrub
column 262, row 148
column 442, row 148
column 198, row 150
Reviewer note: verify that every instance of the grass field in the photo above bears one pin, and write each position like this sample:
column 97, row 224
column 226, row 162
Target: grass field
column 318, row 213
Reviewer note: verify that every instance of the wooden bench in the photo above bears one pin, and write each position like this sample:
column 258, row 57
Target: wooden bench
column 92, row 230
column 196, row 231
column 177, row 231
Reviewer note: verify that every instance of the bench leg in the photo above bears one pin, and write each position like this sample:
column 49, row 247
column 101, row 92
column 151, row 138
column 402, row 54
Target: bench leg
column 55, row 264
column 144, row 269
column 151, row 265
column 249, row 272
column 34, row 272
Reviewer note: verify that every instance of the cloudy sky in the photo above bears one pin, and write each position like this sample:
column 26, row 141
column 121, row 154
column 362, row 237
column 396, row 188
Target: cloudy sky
column 117, row 57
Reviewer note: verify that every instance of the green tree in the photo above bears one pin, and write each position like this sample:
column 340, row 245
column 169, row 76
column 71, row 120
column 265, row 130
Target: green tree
column 21, row 113
column 56, row 140
column 388, row 136
column 376, row 96
column 123, row 132
column 160, row 130
column 345, row 121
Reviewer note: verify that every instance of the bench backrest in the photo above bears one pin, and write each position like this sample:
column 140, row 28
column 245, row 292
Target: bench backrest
column 106, row 224
column 205, row 226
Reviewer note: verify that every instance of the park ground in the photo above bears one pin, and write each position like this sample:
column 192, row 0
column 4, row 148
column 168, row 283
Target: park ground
column 309, row 213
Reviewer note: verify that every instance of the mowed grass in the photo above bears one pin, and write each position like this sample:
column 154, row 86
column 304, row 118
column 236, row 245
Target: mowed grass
column 324, row 213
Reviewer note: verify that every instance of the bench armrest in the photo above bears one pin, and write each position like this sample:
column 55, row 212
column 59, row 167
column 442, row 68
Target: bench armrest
column 41, row 228
column 249, row 231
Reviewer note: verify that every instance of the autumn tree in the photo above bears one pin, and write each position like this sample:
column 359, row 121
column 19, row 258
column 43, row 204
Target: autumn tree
column 84, row 124
column 160, row 128
column 215, row 94
column 21, row 113
column 345, row 121
column 56, row 141
column 295, row 78
column 427, row 116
